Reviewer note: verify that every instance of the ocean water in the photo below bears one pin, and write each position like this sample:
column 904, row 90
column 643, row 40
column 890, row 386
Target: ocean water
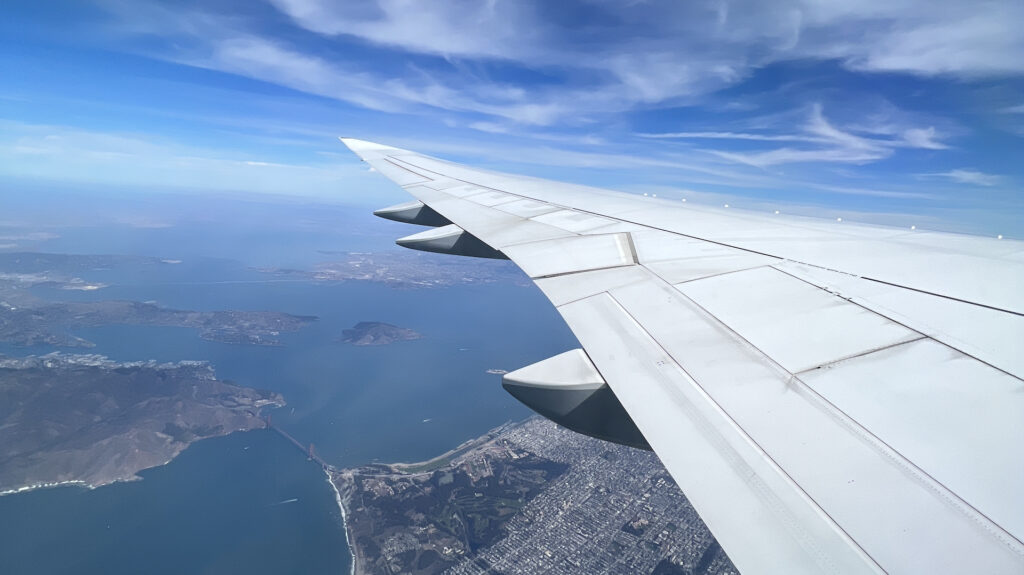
column 244, row 503
column 251, row 502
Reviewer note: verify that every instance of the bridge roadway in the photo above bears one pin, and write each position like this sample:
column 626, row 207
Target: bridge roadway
column 309, row 451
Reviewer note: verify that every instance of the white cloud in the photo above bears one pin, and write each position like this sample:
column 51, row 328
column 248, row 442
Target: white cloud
column 671, row 38
column 69, row 153
column 923, row 138
column 876, row 192
column 819, row 139
column 273, row 62
column 823, row 142
column 965, row 40
column 830, row 145
column 609, row 56
column 484, row 29
column 797, row 156
column 489, row 127
column 518, row 70
column 729, row 136
column 969, row 177
column 819, row 126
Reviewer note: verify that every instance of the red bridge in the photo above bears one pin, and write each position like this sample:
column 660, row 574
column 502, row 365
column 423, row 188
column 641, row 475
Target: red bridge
column 309, row 451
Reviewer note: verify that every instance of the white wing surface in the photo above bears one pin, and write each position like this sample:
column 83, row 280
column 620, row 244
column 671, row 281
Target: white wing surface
column 831, row 397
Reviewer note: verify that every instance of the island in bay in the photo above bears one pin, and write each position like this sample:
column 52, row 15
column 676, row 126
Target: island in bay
column 407, row 269
column 88, row 420
column 529, row 497
column 26, row 319
column 377, row 333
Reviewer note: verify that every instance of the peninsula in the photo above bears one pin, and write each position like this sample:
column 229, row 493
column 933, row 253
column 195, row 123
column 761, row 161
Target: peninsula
column 28, row 320
column 407, row 269
column 525, row 498
column 87, row 420
column 53, row 323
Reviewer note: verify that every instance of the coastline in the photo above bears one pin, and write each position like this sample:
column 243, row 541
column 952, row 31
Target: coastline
column 344, row 522
column 128, row 476
column 33, row 487
column 348, row 485
column 444, row 458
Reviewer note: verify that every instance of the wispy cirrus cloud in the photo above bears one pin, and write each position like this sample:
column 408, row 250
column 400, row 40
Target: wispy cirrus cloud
column 966, row 176
column 824, row 142
column 31, row 150
column 603, row 58
column 876, row 35
column 799, row 97
column 925, row 138
column 728, row 136
column 498, row 30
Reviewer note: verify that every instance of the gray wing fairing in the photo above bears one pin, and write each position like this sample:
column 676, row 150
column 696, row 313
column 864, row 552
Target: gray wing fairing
column 568, row 390
column 414, row 212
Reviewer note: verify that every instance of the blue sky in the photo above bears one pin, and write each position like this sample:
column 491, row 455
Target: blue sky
column 886, row 110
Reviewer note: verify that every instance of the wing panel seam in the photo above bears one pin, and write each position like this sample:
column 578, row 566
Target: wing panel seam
column 839, row 360
column 986, row 306
column 400, row 167
column 924, row 478
column 761, row 487
column 858, row 302
column 714, row 275
column 573, row 272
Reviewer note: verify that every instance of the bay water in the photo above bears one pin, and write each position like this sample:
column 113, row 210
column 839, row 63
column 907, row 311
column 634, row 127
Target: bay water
column 251, row 502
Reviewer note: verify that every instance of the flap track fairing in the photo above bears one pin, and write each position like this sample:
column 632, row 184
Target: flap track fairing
column 569, row 390
column 450, row 239
column 414, row 212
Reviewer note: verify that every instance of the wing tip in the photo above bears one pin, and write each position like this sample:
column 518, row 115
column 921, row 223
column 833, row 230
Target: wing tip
column 365, row 148
column 354, row 144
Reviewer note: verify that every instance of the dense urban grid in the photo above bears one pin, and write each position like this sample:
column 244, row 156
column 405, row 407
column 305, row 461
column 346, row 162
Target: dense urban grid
column 615, row 511
column 602, row 508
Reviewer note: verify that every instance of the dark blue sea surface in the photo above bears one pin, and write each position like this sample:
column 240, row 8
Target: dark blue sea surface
column 244, row 503
column 225, row 505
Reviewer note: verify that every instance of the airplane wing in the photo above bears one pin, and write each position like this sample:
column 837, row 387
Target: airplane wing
column 831, row 397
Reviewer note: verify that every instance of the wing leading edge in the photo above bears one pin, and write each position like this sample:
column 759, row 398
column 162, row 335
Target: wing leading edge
column 829, row 397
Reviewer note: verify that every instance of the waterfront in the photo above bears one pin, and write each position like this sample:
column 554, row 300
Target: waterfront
column 224, row 504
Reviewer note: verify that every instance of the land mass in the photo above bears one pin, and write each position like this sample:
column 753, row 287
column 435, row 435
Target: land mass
column 62, row 268
column 86, row 419
column 408, row 269
column 53, row 323
column 525, row 498
column 27, row 320
column 377, row 333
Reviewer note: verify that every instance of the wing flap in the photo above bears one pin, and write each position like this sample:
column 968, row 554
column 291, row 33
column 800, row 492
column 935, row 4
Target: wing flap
column 871, row 491
column 798, row 325
column 527, row 208
column 992, row 336
column 563, row 289
column 573, row 254
column 769, row 524
column 678, row 259
column 935, row 407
